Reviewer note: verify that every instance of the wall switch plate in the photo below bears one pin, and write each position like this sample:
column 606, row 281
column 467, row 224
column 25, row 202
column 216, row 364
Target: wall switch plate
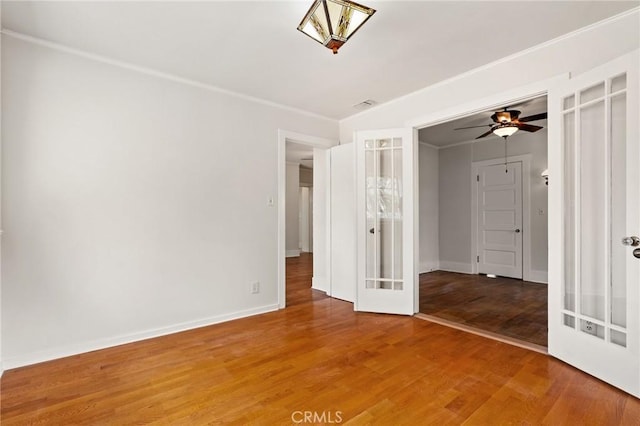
column 255, row 287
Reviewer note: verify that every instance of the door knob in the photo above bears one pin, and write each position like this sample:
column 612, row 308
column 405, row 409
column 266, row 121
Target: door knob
column 517, row 231
column 631, row 241
column 372, row 231
column 636, row 253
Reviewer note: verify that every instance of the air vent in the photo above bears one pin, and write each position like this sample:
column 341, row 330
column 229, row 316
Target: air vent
column 365, row 104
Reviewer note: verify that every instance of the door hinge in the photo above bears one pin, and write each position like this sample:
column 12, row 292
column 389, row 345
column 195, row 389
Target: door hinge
column 477, row 178
column 478, row 259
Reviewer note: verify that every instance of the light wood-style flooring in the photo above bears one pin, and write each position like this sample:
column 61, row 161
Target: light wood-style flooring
column 316, row 356
column 513, row 308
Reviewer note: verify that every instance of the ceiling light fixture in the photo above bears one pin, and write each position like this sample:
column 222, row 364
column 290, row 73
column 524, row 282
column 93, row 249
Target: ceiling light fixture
column 333, row 22
column 505, row 129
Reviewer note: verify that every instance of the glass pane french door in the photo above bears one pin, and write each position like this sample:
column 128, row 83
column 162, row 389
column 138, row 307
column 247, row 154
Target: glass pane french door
column 595, row 297
column 595, row 323
column 385, row 189
column 383, row 169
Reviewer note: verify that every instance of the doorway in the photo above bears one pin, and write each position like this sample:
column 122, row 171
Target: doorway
column 301, row 158
column 483, row 227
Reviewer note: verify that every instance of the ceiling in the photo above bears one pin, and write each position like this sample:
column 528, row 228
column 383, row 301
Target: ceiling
column 444, row 134
column 253, row 48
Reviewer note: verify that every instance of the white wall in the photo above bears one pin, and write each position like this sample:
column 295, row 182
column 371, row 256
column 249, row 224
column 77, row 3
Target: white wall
column 132, row 205
column 576, row 53
column 454, row 186
column 292, row 218
column 456, row 253
column 428, row 214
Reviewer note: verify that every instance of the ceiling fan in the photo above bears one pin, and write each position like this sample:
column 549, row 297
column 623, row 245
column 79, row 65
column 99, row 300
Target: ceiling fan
column 507, row 122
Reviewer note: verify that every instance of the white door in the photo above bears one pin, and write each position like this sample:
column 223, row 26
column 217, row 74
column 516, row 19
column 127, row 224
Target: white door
column 343, row 223
column 594, row 298
column 499, row 190
column 387, row 278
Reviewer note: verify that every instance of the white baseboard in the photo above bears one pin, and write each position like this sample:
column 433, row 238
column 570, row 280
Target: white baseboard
column 428, row 267
column 462, row 268
column 292, row 253
column 78, row 348
column 538, row 277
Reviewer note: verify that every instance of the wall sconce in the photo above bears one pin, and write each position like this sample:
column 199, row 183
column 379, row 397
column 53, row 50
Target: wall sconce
column 545, row 175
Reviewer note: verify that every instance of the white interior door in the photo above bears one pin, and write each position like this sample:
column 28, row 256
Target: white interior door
column 499, row 212
column 594, row 298
column 343, row 223
column 387, row 279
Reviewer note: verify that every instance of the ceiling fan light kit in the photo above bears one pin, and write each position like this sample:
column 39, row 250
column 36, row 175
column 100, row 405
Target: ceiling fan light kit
column 508, row 122
column 504, row 129
column 333, row 22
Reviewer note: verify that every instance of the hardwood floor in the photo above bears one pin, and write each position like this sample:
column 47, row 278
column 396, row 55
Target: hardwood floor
column 316, row 356
column 505, row 306
column 299, row 274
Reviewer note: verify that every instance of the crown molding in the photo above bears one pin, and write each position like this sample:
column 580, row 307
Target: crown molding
column 429, row 145
column 507, row 58
column 155, row 73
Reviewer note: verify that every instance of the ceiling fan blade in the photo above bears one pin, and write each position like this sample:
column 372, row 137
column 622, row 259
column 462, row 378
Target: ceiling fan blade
column 485, row 134
column 473, row 127
column 534, row 117
column 528, row 127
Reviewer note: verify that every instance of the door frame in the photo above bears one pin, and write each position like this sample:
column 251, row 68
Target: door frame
column 526, row 207
column 285, row 136
column 519, row 94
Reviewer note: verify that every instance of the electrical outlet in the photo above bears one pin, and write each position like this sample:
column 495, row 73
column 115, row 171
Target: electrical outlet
column 590, row 327
column 255, row 287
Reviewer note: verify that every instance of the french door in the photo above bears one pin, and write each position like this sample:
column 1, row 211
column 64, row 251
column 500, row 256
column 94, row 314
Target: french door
column 386, row 230
column 594, row 157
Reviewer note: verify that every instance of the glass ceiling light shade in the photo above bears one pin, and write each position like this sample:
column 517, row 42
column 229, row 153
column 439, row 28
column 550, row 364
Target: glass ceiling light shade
column 505, row 129
column 333, row 22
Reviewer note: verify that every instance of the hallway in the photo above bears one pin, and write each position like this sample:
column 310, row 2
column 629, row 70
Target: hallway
column 299, row 271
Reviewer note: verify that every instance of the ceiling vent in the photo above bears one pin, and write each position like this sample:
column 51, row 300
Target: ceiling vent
column 365, row 104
